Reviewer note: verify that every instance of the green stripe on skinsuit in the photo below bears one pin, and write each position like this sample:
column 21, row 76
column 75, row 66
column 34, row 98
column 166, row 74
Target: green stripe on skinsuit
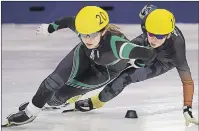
column 127, row 50
column 75, row 62
column 113, row 44
column 55, row 26
column 73, row 81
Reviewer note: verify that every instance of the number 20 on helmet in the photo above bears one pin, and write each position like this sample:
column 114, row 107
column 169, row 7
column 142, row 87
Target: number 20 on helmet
column 91, row 19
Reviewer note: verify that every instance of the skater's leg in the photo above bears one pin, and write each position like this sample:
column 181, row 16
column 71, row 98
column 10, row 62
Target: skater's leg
column 68, row 68
column 129, row 76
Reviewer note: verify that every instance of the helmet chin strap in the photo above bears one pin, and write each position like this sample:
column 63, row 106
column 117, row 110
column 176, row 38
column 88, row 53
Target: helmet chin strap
column 102, row 36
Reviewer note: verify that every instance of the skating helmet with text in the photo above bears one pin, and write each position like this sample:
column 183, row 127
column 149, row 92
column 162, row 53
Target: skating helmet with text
column 91, row 19
column 160, row 21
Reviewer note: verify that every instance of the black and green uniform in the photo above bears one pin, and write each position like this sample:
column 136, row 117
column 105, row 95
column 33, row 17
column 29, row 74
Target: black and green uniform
column 84, row 69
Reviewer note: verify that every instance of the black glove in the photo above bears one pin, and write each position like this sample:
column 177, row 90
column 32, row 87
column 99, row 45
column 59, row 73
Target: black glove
column 89, row 104
column 84, row 105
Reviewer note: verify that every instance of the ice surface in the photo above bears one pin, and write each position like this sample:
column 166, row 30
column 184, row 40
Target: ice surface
column 27, row 59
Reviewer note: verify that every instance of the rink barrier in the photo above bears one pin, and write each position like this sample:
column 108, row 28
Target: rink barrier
column 119, row 12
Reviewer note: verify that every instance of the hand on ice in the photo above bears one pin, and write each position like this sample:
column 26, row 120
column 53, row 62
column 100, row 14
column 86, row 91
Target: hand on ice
column 89, row 104
column 187, row 111
column 84, row 105
column 43, row 30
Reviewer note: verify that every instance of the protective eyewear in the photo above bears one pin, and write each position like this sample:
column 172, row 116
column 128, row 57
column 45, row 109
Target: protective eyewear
column 93, row 35
column 157, row 36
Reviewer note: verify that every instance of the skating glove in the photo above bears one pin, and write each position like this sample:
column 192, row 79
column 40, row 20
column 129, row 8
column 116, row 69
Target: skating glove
column 43, row 30
column 89, row 104
column 187, row 111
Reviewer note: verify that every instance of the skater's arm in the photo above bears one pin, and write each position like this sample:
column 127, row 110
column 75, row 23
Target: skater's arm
column 184, row 72
column 125, row 49
column 65, row 22
column 188, row 83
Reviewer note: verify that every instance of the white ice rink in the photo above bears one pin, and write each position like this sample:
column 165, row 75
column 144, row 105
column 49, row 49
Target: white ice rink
column 27, row 59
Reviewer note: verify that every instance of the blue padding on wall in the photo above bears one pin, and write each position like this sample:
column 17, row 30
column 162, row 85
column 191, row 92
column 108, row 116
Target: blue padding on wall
column 120, row 12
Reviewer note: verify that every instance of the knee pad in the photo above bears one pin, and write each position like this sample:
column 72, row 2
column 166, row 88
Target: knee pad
column 140, row 74
column 118, row 85
column 53, row 82
column 47, row 88
column 55, row 101
column 114, row 88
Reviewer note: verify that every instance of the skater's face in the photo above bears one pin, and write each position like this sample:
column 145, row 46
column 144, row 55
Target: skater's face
column 92, row 40
column 156, row 40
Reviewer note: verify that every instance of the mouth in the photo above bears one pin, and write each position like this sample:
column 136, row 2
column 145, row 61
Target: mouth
column 153, row 44
column 89, row 44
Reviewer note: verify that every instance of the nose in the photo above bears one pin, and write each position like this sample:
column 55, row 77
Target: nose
column 153, row 39
column 88, row 40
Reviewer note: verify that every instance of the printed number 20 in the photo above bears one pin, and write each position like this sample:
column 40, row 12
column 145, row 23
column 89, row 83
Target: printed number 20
column 102, row 17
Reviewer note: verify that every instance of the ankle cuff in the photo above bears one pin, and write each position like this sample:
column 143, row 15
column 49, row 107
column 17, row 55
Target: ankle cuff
column 32, row 110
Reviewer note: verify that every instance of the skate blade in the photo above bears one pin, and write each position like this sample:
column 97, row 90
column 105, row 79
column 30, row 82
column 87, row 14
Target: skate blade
column 55, row 107
column 8, row 124
column 70, row 110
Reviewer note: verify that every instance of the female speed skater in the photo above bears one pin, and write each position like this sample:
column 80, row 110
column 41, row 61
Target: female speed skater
column 102, row 55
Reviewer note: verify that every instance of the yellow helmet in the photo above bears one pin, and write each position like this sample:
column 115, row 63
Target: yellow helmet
column 91, row 19
column 160, row 21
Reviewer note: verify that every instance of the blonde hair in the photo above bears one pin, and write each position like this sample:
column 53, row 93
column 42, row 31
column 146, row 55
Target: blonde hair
column 113, row 28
